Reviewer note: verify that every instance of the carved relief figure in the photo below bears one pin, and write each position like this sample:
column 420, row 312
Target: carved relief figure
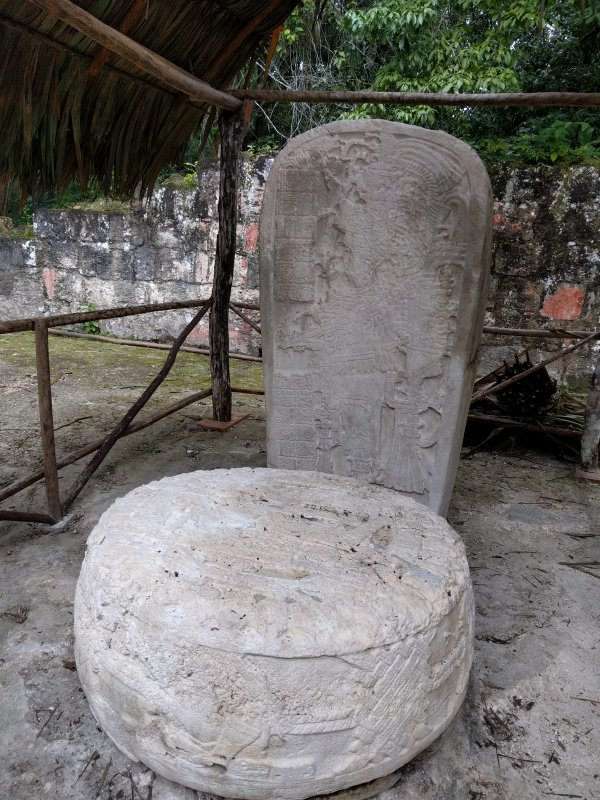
column 371, row 245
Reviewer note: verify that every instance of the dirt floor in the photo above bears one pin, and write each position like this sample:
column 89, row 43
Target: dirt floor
column 530, row 727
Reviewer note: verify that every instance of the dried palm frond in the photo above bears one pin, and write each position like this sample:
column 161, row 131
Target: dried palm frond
column 70, row 109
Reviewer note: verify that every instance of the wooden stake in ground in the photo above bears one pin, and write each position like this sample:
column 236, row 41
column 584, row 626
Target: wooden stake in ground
column 590, row 441
column 231, row 128
column 46, row 419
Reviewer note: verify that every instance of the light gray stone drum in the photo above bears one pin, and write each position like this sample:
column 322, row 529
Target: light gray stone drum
column 271, row 633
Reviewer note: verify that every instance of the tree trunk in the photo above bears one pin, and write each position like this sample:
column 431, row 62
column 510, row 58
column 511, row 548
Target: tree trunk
column 231, row 128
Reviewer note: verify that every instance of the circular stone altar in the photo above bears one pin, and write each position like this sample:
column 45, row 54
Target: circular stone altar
column 270, row 633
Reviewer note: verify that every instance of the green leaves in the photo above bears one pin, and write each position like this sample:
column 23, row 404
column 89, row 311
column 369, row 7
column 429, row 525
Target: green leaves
column 452, row 46
column 435, row 46
column 546, row 141
column 391, row 21
column 567, row 141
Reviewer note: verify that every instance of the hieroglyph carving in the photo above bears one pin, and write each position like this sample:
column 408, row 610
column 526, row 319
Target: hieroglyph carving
column 375, row 249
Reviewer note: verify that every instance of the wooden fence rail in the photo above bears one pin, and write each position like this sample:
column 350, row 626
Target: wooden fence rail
column 41, row 327
column 49, row 471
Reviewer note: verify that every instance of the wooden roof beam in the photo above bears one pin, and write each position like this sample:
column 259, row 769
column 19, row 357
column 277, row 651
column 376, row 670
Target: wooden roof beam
column 538, row 99
column 136, row 54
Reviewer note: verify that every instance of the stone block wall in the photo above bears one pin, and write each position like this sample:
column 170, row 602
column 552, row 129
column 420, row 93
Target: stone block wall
column 162, row 253
column 546, row 263
column 21, row 287
column 546, row 260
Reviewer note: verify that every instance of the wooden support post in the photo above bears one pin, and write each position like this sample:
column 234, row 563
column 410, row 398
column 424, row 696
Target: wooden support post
column 231, row 128
column 42, row 360
column 590, row 440
column 122, row 426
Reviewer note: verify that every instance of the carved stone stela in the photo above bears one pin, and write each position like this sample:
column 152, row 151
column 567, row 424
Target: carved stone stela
column 375, row 251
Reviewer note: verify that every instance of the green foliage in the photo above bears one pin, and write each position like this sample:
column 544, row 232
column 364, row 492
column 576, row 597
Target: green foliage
column 13, row 205
column 559, row 141
column 74, row 195
column 184, row 177
column 309, row 56
column 447, row 46
column 93, row 326
column 20, row 232
column 267, row 145
column 88, row 198
column 462, row 46
column 190, row 175
column 104, row 205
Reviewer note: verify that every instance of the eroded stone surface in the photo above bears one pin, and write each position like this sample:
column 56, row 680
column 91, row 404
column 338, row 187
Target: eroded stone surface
column 272, row 634
column 375, row 250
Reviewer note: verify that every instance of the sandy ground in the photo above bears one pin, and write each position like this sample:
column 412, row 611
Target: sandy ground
column 530, row 727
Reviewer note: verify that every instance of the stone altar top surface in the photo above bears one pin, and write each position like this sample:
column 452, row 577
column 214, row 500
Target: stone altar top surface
column 273, row 634
column 300, row 544
column 375, row 253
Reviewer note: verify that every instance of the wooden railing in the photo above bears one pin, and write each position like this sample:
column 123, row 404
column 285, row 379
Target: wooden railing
column 58, row 506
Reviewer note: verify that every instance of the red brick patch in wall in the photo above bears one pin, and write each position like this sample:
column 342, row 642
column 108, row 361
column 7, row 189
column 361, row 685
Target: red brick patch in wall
column 199, row 336
column 50, row 278
column 565, row 303
column 251, row 238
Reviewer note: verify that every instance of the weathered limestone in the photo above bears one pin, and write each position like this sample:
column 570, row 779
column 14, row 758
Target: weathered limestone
column 375, row 250
column 272, row 634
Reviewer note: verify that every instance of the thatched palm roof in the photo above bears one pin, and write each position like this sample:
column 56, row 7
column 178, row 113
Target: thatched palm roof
column 70, row 107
